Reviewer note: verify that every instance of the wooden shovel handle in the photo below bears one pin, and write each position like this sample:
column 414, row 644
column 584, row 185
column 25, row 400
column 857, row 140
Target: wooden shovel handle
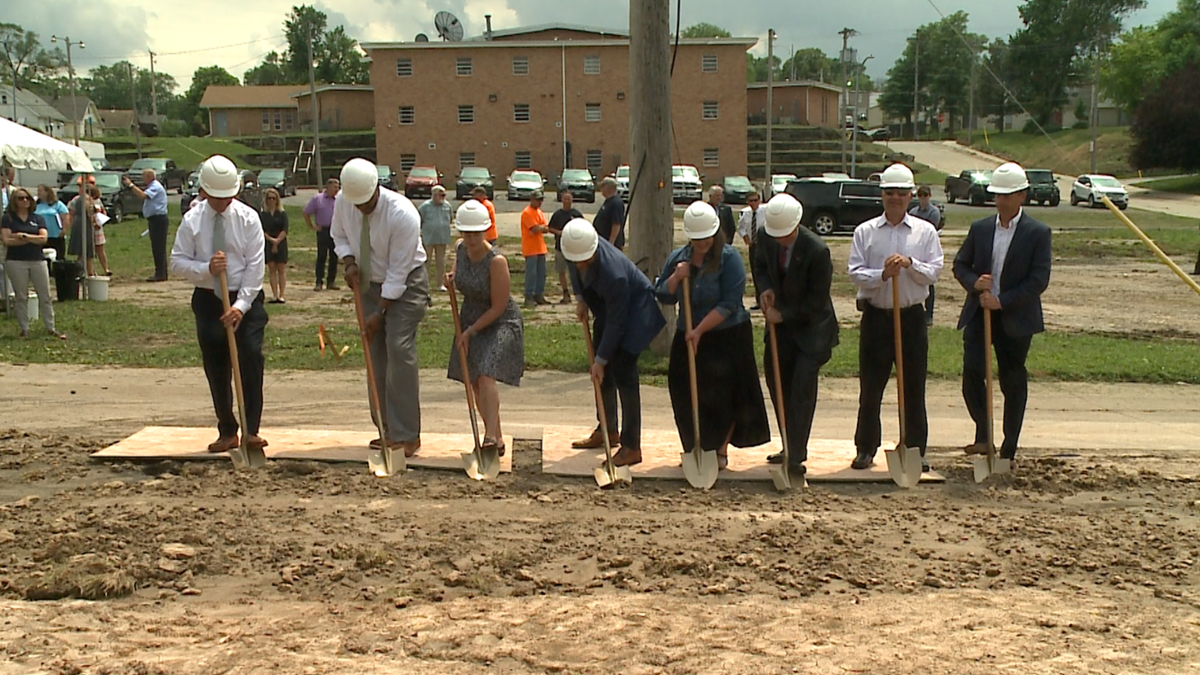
column 987, row 369
column 780, row 413
column 691, row 353
column 899, row 352
column 372, row 388
column 233, row 360
column 600, row 411
column 462, row 360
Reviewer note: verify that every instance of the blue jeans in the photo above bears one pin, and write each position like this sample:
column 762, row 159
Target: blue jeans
column 535, row 276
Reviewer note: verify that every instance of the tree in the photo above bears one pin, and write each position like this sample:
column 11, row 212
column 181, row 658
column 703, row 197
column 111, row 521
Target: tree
column 336, row 55
column 21, row 51
column 1166, row 126
column 270, row 71
column 756, row 68
column 941, row 71
column 188, row 106
column 1144, row 56
column 340, row 60
column 993, row 82
column 811, row 63
column 299, row 24
column 705, row 30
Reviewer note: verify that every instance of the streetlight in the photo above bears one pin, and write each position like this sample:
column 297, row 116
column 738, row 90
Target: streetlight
column 854, row 146
column 71, row 78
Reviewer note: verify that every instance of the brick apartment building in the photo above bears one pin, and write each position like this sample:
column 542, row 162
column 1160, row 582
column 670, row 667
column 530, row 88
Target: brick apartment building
column 519, row 98
column 802, row 102
column 252, row 111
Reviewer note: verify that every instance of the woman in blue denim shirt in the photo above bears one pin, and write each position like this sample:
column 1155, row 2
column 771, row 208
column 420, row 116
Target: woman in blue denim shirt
column 731, row 400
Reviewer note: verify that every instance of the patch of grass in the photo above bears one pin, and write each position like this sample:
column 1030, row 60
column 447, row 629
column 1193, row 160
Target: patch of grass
column 1066, row 151
column 186, row 151
column 1189, row 185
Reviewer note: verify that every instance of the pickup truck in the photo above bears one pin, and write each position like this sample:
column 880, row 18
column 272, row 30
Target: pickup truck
column 171, row 176
column 971, row 186
column 836, row 205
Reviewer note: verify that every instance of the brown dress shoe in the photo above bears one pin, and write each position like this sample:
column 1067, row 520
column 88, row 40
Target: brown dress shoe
column 976, row 449
column 596, row 440
column 256, row 441
column 223, row 444
column 410, row 448
column 627, row 457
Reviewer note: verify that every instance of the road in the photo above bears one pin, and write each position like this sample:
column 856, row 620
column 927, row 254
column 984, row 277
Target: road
column 951, row 158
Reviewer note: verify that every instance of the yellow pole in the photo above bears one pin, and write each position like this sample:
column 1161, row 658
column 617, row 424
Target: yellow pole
column 1150, row 243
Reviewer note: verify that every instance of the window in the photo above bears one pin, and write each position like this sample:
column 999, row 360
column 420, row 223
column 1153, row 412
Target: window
column 595, row 160
column 712, row 157
column 403, row 67
column 591, row 65
column 520, row 112
column 287, row 120
column 466, row 159
column 266, row 123
column 520, row 65
column 466, row 114
column 463, row 67
column 278, row 121
column 708, row 63
column 862, row 190
column 524, row 159
column 591, row 112
column 407, row 115
column 407, row 162
column 710, row 110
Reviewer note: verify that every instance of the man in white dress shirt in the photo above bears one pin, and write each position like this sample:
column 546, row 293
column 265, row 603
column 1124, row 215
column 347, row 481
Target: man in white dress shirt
column 749, row 223
column 221, row 234
column 894, row 248
column 395, row 290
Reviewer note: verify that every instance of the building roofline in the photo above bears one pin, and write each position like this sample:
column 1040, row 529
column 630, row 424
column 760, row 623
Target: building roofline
column 248, row 105
column 554, row 44
column 796, row 83
column 335, row 87
column 541, row 28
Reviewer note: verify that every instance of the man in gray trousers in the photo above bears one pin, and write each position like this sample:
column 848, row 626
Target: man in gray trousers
column 377, row 234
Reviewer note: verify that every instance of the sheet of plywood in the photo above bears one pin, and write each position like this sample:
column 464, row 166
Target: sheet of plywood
column 828, row 460
column 438, row 451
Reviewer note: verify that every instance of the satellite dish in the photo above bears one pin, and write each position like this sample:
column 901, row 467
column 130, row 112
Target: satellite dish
column 421, row 37
column 448, row 27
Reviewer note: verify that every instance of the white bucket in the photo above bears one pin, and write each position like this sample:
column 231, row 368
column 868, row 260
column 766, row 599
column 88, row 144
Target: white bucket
column 35, row 312
column 97, row 288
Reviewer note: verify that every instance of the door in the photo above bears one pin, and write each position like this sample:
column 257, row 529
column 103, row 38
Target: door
column 221, row 123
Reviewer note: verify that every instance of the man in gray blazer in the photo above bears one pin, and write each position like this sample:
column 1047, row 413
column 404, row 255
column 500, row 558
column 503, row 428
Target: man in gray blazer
column 1004, row 265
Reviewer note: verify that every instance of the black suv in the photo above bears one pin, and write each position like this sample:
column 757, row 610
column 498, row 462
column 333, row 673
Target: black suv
column 1042, row 188
column 580, row 182
column 839, row 205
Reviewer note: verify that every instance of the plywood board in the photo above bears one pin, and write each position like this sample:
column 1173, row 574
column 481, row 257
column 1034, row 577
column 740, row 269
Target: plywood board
column 828, row 460
column 438, row 451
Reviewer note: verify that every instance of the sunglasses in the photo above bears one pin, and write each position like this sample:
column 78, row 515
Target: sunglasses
column 23, row 198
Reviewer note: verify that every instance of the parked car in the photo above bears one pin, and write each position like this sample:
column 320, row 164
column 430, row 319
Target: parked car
column 580, row 182
column 387, row 177
column 172, row 177
column 737, row 189
column 622, row 176
column 878, row 134
column 282, row 180
column 250, row 192
column 1042, row 188
column 1089, row 187
column 522, row 183
column 420, row 181
column 970, row 185
column 118, row 200
column 687, row 184
column 779, row 182
column 832, row 205
column 471, row 177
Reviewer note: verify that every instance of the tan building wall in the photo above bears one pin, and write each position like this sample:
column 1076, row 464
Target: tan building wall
column 340, row 110
column 252, row 121
column 794, row 104
column 435, row 91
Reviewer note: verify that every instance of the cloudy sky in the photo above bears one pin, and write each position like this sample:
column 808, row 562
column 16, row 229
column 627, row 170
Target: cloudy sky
column 236, row 34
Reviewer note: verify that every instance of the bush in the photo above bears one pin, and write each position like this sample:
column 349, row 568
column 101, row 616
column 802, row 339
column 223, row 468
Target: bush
column 175, row 128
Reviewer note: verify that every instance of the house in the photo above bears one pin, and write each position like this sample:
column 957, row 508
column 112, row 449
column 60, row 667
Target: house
column 31, row 110
column 119, row 122
column 803, row 102
column 549, row 96
column 340, row 107
column 253, row 110
column 83, row 112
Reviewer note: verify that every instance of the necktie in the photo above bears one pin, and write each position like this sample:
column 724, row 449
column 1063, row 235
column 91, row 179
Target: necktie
column 218, row 240
column 364, row 252
column 754, row 226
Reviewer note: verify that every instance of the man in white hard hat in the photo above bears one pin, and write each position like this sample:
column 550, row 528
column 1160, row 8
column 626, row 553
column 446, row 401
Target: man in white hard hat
column 792, row 274
column 223, row 235
column 894, row 248
column 1004, row 264
column 625, row 319
column 377, row 234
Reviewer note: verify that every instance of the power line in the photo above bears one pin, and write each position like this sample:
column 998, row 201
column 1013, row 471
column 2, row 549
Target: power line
column 131, row 55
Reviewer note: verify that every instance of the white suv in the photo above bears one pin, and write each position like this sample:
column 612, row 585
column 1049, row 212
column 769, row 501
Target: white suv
column 1089, row 187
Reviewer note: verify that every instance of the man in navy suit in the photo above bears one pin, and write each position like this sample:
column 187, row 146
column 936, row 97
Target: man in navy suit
column 1004, row 265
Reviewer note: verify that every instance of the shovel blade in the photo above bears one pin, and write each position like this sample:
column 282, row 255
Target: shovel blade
column 471, row 466
column 620, row 474
column 700, row 468
column 481, row 464
column 1002, row 466
column 239, row 459
column 781, row 477
column 255, row 457
column 386, row 462
column 982, row 469
column 900, row 465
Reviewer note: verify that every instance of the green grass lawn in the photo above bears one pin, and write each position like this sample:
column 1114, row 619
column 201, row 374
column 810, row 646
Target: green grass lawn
column 186, row 151
column 1066, row 151
column 1183, row 184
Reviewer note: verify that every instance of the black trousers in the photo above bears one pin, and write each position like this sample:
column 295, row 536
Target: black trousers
column 621, row 378
column 799, row 374
column 214, row 348
column 325, row 249
column 929, row 304
column 1196, row 269
column 1014, row 379
column 876, row 356
column 158, row 244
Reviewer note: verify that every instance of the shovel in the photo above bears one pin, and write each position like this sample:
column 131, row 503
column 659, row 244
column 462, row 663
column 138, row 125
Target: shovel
column 699, row 467
column 780, row 473
column 479, row 464
column 244, row 456
column 607, row 476
column 990, row 463
column 384, row 461
column 903, row 463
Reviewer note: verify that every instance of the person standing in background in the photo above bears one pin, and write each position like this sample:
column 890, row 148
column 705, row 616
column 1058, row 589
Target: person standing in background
column 479, row 193
column 925, row 210
column 56, row 218
column 320, row 210
column 565, row 214
column 533, row 247
column 275, row 230
column 716, row 199
column 610, row 219
column 23, row 235
column 436, row 217
column 749, row 223
column 154, row 210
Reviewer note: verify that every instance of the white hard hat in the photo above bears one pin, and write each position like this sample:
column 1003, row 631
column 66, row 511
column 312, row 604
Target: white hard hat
column 579, row 240
column 219, row 177
column 472, row 217
column 783, row 215
column 700, row 221
column 1007, row 179
column 359, row 180
column 896, row 177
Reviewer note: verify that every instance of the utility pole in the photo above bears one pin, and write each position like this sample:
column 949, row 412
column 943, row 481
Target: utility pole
column 71, row 79
column 651, row 227
column 793, row 59
column 846, row 34
column 916, row 80
column 770, row 100
column 316, row 123
column 14, row 65
column 854, row 146
column 137, row 126
column 1095, row 116
column 971, row 104
column 153, row 91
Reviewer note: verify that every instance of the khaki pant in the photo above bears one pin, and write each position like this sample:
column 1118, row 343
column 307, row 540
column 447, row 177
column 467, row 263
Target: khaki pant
column 20, row 273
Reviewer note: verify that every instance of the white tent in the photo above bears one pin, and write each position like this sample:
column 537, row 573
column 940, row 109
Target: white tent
column 25, row 148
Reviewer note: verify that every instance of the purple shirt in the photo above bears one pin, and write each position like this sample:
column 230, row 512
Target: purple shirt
column 321, row 205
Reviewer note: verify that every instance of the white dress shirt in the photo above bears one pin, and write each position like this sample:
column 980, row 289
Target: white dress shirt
column 876, row 240
column 743, row 228
column 244, row 251
column 1001, row 241
column 396, row 248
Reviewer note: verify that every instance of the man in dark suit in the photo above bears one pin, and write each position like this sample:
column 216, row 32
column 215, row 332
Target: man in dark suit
column 792, row 274
column 1004, row 264
column 716, row 199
